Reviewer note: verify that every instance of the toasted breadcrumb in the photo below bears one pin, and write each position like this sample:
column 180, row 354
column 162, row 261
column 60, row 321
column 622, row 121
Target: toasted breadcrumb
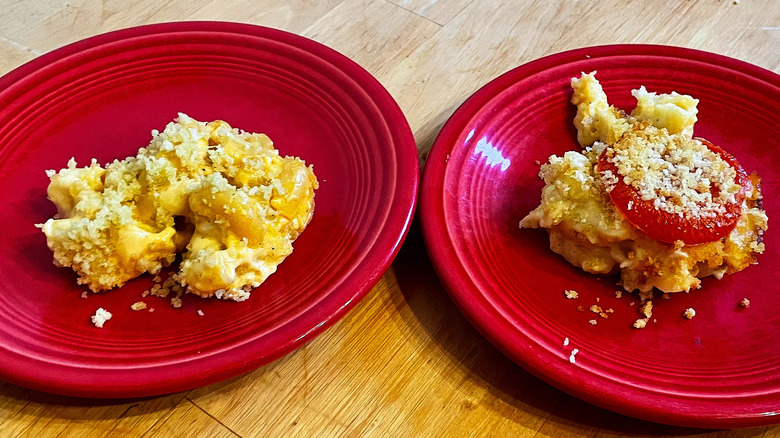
column 565, row 342
column 138, row 305
column 580, row 309
column 665, row 297
column 610, row 310
column 100, row 317
column 596, row 308
column 151, row 309
column 646, row 309
column 84, row 295
column 200, row 312
column 618, row 294
column 176, row 302
column 593, row 322
column 689, row 313
column 571, row 356
column 604, row 315
column 571, row 294
column 640, row 323
column 745, row 303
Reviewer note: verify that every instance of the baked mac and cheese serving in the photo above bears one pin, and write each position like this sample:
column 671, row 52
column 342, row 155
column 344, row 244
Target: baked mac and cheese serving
column 647, row 199
column 223, row 198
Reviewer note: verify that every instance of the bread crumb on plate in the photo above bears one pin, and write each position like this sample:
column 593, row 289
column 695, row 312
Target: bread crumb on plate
column 571, row 356
column 100, row 317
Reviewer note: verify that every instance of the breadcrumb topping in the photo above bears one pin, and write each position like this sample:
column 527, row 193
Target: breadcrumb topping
column 745, row 303
column 689, row 313
column 678, row 174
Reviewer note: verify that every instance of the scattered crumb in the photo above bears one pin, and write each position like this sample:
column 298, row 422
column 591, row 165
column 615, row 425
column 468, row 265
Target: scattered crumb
column 598, row 299
column 604, row 315
column 176, row 302
column 573, row 353
column 610, row 310
column 618, row 294
column 151, row 309
column 593, row 322
column 665, row 297
column 157, row 278
column 745, row 303
column 689, row 313
column 100, row 317
column 640, row 323
column 139, row 305
column 571, row 294
column 580, row 309
column 654, row 320
column 85, row 295
column 537, row 162
column 646, row 308
column 565, row 341
column 145, row 293
column 596, row 308
column 632, row 303
column 200, row 312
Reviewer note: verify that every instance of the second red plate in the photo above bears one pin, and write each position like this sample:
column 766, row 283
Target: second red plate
column 719, row 369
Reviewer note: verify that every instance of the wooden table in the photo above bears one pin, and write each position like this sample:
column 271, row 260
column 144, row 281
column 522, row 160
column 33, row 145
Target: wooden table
column 404, row 362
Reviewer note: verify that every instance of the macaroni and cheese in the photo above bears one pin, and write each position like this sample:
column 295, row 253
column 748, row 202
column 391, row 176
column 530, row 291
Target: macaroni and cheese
column 223, row 198
column 645, row 198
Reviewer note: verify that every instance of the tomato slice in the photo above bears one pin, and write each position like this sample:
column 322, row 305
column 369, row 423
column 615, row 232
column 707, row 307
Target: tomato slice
column 670, row 227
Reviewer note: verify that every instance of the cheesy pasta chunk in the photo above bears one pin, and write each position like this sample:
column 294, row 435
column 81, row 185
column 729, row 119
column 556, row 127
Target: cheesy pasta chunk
column 654, row 147
column 222, row 197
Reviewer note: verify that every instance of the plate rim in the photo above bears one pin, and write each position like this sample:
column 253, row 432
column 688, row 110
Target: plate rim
column 375, row 263
column 484, row 317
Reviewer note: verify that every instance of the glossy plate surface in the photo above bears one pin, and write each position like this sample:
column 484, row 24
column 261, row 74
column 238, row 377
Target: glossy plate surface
column 101, row 98
column 719, row 369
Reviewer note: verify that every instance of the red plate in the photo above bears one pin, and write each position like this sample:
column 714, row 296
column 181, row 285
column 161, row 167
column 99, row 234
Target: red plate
column 101, row 98
column 719, row 369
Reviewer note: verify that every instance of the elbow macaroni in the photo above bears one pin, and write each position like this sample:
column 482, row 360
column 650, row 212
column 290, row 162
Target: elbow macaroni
column 223, row 197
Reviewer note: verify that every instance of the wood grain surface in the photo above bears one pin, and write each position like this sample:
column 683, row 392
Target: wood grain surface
column 404, row 362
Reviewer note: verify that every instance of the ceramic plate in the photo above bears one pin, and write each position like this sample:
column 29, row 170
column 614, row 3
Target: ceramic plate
column 719, row 369
column 101, row 98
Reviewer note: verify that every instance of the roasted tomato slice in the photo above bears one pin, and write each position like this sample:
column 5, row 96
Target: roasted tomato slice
column 669, row 227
